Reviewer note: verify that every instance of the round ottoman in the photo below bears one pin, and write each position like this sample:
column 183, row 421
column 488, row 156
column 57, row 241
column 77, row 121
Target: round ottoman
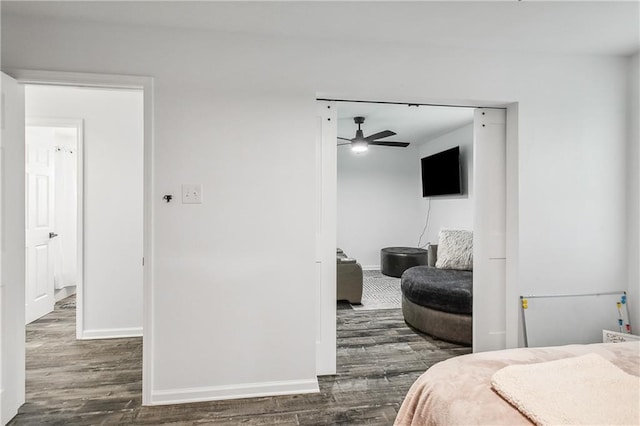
column 439, row 302
column 395, row 260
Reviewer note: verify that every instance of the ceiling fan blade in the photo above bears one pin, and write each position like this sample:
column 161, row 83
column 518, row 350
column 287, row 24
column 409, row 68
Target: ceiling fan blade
column 344, row 139
column 348, row 143
column 390, row 143
column 380, row 135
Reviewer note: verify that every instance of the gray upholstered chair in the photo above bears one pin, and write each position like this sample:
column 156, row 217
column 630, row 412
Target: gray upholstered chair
column 349, row 278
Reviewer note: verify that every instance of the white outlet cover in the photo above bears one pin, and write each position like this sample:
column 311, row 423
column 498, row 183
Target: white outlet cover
column 191, row 193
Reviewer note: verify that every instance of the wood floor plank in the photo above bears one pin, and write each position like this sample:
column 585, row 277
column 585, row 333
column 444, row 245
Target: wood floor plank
column 95, row 382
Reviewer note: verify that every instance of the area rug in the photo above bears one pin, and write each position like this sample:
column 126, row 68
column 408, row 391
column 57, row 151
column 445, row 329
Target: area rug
column 379, row 292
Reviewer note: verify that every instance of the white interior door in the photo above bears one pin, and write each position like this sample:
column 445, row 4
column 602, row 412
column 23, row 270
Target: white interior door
column 39, row 223
column 12, row 265
column 489, row 230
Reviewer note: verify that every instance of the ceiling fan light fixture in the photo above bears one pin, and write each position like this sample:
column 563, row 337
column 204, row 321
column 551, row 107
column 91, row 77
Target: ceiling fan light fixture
column 359, row 146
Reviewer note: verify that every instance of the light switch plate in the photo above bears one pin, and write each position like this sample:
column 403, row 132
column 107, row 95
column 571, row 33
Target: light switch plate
column 191, row 193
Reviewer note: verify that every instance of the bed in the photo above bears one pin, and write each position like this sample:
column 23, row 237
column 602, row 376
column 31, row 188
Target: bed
column 459, row 390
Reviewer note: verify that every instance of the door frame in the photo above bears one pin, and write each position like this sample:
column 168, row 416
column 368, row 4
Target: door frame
column 12, row 213
column 78, row 124
column 112, row 81
column 513, row 328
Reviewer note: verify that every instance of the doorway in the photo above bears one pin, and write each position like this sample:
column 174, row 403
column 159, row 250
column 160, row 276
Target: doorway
column 110, row 211
column 496, row 163
column 381, row 201
column 12, row 349
column 54, row 235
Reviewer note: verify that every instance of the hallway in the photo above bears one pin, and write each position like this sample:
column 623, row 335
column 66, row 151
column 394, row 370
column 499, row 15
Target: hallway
column 78, row 381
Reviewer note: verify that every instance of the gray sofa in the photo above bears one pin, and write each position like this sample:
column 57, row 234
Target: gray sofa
column 438, row 302
column 349, row 278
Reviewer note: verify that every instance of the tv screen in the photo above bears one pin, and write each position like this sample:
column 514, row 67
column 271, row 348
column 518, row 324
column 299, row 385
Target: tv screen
column 441, row 173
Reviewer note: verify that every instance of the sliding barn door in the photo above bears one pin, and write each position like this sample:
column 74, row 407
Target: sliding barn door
column 326, row 175
column 489, row 239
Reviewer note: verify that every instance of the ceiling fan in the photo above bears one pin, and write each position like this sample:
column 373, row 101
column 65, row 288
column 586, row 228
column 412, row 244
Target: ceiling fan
column 360, row 143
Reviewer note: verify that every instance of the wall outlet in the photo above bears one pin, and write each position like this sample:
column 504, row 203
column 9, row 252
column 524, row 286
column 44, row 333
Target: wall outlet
column 191, row 193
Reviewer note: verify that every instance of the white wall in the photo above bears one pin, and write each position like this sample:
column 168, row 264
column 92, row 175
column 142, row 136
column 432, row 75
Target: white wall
column 227, row 310
column 112, row 290
column 633, row 194
column 378, row 201
column 450, row 211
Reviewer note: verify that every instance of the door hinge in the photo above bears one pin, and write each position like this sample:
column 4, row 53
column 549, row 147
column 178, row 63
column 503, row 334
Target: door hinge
column 143, row 261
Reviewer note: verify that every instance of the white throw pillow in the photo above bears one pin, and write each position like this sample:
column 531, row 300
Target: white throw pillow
column 455, row 249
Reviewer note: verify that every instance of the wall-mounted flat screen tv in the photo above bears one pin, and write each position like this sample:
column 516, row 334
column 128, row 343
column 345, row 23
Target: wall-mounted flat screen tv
column 441, row 173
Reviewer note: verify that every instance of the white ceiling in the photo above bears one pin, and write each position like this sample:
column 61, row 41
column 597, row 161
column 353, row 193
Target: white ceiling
column 412, row 124
column 583, row 27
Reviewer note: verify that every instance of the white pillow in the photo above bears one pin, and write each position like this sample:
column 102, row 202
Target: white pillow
column 455, row 249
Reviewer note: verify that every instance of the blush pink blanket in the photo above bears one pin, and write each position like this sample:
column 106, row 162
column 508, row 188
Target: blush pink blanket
column 458, row 391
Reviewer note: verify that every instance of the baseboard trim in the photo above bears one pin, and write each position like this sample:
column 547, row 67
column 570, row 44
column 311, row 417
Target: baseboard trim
column 111, row 333
column 8, row 409
column 371, row 268
column 249, row 390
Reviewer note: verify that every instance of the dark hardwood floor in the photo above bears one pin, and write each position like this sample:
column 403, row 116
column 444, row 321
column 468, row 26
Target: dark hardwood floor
column 71, row 382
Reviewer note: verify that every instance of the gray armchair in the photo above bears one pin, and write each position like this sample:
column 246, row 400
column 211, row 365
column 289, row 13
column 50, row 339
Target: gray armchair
column 349, row 278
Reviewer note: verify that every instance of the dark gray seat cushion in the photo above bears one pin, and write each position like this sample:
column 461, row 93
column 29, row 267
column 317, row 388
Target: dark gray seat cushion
column 446, row 290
